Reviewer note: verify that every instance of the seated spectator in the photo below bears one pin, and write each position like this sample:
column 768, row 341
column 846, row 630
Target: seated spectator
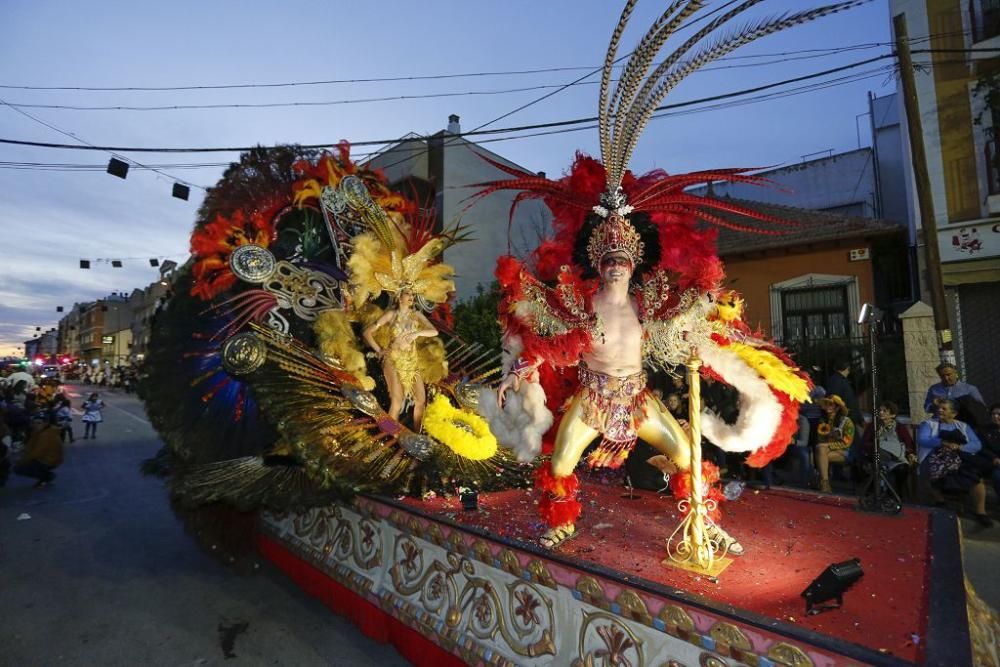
column 835, row 436
column 954, row 471
column 930, row 430
column 951, row 387
column 897, row 450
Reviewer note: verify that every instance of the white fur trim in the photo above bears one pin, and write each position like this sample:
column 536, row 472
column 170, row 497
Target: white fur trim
column 522, row 422
column 760, row 410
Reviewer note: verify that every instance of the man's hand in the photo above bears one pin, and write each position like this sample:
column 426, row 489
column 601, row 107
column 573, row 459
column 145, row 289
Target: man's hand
column 510, row 381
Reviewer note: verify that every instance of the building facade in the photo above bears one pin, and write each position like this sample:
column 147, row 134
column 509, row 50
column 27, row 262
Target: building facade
column 958, row 114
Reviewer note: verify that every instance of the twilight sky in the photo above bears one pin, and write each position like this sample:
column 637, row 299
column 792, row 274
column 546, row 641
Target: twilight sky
column 53, row 216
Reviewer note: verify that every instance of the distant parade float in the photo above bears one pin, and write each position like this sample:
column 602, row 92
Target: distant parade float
column 310, row 387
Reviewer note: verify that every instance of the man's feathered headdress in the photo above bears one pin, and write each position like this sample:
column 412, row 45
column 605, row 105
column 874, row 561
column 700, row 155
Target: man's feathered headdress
column 622, row 116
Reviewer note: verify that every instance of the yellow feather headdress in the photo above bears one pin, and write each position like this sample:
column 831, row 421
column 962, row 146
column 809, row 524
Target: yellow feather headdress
column 394, row 258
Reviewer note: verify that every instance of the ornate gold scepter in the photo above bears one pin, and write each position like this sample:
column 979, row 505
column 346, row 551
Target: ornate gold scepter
column 690, row 546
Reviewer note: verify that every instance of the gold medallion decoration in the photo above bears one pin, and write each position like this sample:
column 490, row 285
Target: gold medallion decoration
column 243, row 353
column 787, row 654
column 416, row 445
column 467, row 395
column 252, row 263
column 731, row 636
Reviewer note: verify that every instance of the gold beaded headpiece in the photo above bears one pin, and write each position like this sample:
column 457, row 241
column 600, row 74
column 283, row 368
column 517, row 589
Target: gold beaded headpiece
column 616, row 233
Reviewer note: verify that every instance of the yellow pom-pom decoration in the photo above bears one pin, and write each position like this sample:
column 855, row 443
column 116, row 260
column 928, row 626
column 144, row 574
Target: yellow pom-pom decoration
column 465, row 433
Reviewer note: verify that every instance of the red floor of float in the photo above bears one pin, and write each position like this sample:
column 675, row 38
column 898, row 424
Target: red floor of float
column 789, row 539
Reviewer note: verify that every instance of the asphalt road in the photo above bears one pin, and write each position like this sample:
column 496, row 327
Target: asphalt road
column 102, row 573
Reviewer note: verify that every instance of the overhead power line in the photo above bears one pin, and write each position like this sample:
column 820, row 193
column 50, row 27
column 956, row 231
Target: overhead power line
column 421, row 148
column 88, row 145
column 478, row 132
column 458, row 75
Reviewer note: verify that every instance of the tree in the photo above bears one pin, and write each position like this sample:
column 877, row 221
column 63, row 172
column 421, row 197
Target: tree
column 476, row 317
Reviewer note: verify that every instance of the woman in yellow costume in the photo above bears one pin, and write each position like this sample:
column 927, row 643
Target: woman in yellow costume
column 400, row 361
column 400, row 257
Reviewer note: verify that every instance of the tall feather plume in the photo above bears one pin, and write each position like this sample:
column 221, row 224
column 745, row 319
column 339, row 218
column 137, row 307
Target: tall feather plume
column 668, row 73
column 633, row 74
column 603, row 108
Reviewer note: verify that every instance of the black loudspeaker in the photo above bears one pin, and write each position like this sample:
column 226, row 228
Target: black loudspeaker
column 84, row 263
column 59, row 309
column 154, row 262
column 831, row 585
column 116, row 263
column 118, row 168
column 181, row 191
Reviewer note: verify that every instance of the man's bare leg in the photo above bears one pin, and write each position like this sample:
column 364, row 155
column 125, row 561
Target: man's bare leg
column 667, row 436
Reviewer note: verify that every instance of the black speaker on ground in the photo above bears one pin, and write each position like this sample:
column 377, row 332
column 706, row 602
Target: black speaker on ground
column 831, row 584
column 118, row 168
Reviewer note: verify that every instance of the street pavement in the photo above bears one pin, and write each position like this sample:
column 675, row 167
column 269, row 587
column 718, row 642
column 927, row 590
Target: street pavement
column 102, row 573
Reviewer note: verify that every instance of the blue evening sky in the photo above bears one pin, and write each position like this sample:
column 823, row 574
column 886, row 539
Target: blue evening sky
column 51, row 219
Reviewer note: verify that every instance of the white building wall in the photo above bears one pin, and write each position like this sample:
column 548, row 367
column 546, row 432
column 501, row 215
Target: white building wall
column 492, row 236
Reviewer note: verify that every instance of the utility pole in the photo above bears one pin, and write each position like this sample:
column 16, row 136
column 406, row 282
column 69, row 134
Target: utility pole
column 925, row 199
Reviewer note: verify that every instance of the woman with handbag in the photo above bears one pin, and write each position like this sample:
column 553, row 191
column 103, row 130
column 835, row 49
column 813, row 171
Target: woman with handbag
column 948, row 451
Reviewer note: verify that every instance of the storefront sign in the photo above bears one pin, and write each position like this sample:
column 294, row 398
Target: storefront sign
column 108, row 340
column 977, row 240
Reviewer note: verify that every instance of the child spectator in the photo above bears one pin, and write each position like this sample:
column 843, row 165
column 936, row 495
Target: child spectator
column 92, row 416
column 64, row 419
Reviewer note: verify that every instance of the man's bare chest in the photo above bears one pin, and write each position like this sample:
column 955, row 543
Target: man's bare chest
column 619, row 325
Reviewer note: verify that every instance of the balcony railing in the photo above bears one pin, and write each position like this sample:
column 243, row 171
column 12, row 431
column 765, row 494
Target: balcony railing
column 984, row 17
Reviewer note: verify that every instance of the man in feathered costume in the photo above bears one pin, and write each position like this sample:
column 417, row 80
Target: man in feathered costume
column 633, row 282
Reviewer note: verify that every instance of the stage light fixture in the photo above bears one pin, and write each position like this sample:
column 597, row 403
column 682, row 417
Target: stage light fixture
column 831, row 584
column 118, row 168
column 116, row 263
column 154, row 262
column 84, row 263
column 181, row 191
column 869, row 312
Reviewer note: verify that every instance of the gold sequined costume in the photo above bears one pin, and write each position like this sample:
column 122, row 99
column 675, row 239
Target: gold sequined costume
column 405, row 360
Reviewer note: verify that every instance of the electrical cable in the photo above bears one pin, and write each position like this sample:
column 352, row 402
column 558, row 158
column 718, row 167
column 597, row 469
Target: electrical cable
column 475, row 132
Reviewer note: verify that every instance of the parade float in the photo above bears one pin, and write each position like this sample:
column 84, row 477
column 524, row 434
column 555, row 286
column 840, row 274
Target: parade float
column 318, row 407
